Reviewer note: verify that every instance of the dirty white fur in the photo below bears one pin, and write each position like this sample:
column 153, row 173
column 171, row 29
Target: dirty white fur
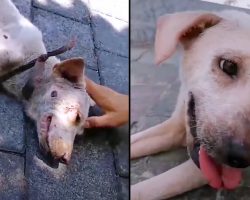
column 24, row 43
column 20, row 42
column 222, row 103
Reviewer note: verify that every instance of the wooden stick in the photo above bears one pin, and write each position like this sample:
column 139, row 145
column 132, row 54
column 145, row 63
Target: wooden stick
column 41, row 58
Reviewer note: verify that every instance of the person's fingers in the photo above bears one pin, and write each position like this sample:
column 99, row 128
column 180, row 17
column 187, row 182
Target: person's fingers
column 89, row 83
column 114, row 104
column 99, row 121
column 100, row 94
column 93, row 88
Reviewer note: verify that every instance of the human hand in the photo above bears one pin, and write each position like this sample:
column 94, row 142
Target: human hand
column 114, row 105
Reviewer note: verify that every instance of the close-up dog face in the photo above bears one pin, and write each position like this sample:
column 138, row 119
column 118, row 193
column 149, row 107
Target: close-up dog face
column 220, row 85
column 60, row 105
column 216, row 78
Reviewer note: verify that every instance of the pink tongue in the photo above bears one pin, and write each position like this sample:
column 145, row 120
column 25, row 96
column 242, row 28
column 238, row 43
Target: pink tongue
column 219, row 176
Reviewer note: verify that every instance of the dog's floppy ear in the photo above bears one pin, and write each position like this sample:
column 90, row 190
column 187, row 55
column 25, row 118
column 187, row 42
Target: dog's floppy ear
column 180, row 27
column 71, row 69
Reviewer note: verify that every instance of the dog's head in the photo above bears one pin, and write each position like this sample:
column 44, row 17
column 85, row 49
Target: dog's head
column 216, row 76
column 60, row 104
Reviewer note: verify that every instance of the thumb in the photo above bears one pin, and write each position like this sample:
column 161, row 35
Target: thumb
column 96, row 122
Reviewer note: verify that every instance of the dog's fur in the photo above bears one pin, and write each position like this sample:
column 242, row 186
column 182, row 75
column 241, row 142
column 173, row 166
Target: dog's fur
column 221, row 102
column 57, row 101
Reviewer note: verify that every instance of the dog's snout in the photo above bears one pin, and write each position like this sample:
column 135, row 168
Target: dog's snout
column 61, row 150
column 237, row 155
column 64, row 159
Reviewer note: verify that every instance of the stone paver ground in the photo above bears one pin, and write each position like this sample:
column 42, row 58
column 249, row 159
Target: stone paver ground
column 154, row 91
column 99, row 167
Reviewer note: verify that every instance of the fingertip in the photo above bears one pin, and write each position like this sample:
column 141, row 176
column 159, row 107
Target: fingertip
column 91, row 122
column 86, row 124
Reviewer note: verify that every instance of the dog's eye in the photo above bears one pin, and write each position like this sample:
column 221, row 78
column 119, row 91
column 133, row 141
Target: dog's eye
column 229, row 67
column 53, row 93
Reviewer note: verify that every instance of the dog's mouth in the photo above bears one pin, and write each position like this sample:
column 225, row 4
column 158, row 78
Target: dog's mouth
column 47, row 147
column 44, row 131
column 218, row 175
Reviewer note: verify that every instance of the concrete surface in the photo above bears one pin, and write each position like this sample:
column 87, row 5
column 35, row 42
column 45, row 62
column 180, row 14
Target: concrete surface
column 99, row 167
column 154, row 91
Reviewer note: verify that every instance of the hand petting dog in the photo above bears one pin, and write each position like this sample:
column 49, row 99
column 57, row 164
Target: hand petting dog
column 114, row 105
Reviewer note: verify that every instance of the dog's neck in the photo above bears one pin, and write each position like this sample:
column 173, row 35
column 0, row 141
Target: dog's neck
column 15, row 85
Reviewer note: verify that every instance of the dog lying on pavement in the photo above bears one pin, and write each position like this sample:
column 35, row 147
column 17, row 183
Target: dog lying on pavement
column 212, row 114
column 58, row 102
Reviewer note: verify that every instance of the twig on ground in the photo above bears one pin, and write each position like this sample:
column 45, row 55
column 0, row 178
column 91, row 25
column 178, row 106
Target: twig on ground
column 41, row 58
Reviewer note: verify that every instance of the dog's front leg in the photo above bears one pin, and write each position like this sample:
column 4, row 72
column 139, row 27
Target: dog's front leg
column 176, row 181
column 162, row 137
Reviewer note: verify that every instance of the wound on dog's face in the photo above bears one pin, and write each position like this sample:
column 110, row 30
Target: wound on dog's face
column 60, row 110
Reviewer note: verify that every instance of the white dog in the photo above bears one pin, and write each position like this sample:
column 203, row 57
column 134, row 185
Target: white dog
column 58, row 101
column 212, row 115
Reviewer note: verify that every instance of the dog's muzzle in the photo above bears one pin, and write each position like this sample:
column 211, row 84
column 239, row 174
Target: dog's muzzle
column 218, row 175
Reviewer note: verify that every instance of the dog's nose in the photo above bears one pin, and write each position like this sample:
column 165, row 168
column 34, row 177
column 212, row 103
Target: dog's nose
column 61, row 150
column 237, row 155
column 64, row 159
column 237, row 160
